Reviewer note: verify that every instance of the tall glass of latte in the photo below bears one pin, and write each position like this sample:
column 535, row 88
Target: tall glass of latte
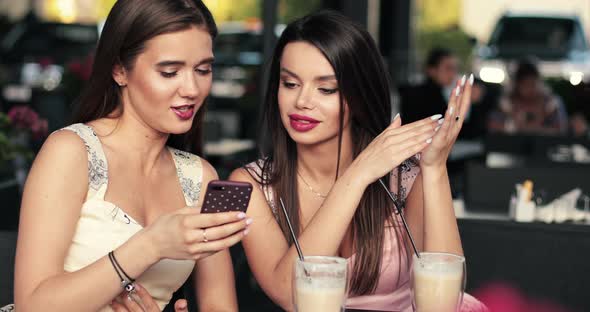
column 438, row 282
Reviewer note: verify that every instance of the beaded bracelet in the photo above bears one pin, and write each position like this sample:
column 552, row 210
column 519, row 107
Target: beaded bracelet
column 126, row 281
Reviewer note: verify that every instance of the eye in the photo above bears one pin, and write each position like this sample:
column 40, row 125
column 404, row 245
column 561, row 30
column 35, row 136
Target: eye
column 204, row 71
column 328, row 91
column 289, row 85
column 168, row 74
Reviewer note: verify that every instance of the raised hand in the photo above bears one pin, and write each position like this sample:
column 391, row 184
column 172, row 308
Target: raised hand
column 394, row 145
column 437, row 152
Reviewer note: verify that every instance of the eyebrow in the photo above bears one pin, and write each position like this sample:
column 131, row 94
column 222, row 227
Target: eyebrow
column 208, row 60
column 318, row 78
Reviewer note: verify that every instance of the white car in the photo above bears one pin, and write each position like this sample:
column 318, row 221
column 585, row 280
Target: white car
column 558, row 42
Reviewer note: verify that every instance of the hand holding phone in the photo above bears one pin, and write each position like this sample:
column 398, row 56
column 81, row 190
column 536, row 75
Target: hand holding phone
column 222, row 196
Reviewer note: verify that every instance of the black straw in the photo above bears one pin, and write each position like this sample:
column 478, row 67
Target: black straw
column 399, row 211
column 291, row 230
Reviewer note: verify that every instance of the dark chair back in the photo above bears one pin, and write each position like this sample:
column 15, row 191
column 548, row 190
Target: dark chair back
column 7, row 253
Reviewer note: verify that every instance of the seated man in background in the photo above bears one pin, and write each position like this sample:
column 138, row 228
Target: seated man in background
column 431, row 97
column 529, row 107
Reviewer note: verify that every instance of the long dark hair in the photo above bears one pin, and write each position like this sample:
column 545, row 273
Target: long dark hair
column 130, row 24
column 364, row 85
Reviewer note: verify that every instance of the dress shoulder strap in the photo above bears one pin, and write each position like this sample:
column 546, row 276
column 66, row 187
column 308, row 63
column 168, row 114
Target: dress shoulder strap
column 189, row 170
column 97, row 163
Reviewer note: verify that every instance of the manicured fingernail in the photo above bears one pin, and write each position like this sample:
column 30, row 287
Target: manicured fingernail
column 471, row 79
column 249, row 221
column 457, row 90
column 241, row 215
column 451, row 109
column 436, row 117
column 246, row 231
column 463, row 80
column 440, row 122
column 429, row 141
column 396, row 116
column 437, row 128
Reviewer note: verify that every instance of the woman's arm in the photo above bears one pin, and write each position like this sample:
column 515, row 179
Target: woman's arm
column 440, row 231
column 54, row 193
column 440, row 224
column 271, row 258
column 214, row 282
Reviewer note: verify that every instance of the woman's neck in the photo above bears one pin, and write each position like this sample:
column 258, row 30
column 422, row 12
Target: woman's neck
column 134, row 139
column 320, row 163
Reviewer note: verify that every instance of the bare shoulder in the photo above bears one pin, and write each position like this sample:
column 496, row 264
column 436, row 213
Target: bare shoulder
column 243, row 175
column 63, row 149
column 60, row 168
column 209, row 172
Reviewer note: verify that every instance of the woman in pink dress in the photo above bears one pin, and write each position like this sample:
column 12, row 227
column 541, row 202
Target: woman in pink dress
column 327, row 114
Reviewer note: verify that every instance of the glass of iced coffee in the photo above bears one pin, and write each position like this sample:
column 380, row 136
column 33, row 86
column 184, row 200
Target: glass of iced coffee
column 438, row 282
column 319, row 284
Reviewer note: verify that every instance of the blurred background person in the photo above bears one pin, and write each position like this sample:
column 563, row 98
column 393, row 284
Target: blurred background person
column 529, row 107
column 431, row 97
column 578, row 125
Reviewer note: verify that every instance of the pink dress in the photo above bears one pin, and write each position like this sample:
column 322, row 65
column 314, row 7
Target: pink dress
column 393, row 288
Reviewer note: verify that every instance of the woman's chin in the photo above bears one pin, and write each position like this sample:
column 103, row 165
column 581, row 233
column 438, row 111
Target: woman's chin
column 180, row 128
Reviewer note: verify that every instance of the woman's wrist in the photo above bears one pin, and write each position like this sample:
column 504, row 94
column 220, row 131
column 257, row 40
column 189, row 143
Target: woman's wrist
column 356, row 176
column 148, row 245
column 434, row 173
column 134, row 257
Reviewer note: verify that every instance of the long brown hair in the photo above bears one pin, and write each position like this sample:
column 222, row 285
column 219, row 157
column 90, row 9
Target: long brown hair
column 365, row 87
column 130, row 24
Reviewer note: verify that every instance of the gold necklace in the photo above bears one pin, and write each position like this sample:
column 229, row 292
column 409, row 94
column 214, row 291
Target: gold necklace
column 320, row 195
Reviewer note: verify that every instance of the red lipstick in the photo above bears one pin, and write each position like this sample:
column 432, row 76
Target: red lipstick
column 302, row 123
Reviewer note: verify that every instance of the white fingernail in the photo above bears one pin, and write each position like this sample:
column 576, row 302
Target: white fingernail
column 463, row 80
column 451, row 109
column 436, row 129
column 440, row 122
column 249, row 221
column 429, row 141
column 471, row 79
column 457, row 91
column 396, row 116
column 436, row 117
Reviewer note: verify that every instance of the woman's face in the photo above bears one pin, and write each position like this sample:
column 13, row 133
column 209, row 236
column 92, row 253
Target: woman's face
column 308, row 96
column 169, row 81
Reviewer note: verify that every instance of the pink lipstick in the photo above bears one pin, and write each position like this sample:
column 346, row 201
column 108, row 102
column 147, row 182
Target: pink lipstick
column 184, row 112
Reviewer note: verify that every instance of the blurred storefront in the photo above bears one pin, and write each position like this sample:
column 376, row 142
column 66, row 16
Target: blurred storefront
column 65, row 11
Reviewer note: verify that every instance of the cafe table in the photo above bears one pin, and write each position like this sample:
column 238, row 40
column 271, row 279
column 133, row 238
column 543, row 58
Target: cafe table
column 548, row 262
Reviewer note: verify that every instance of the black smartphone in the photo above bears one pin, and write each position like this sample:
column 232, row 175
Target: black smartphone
column 223, row 196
